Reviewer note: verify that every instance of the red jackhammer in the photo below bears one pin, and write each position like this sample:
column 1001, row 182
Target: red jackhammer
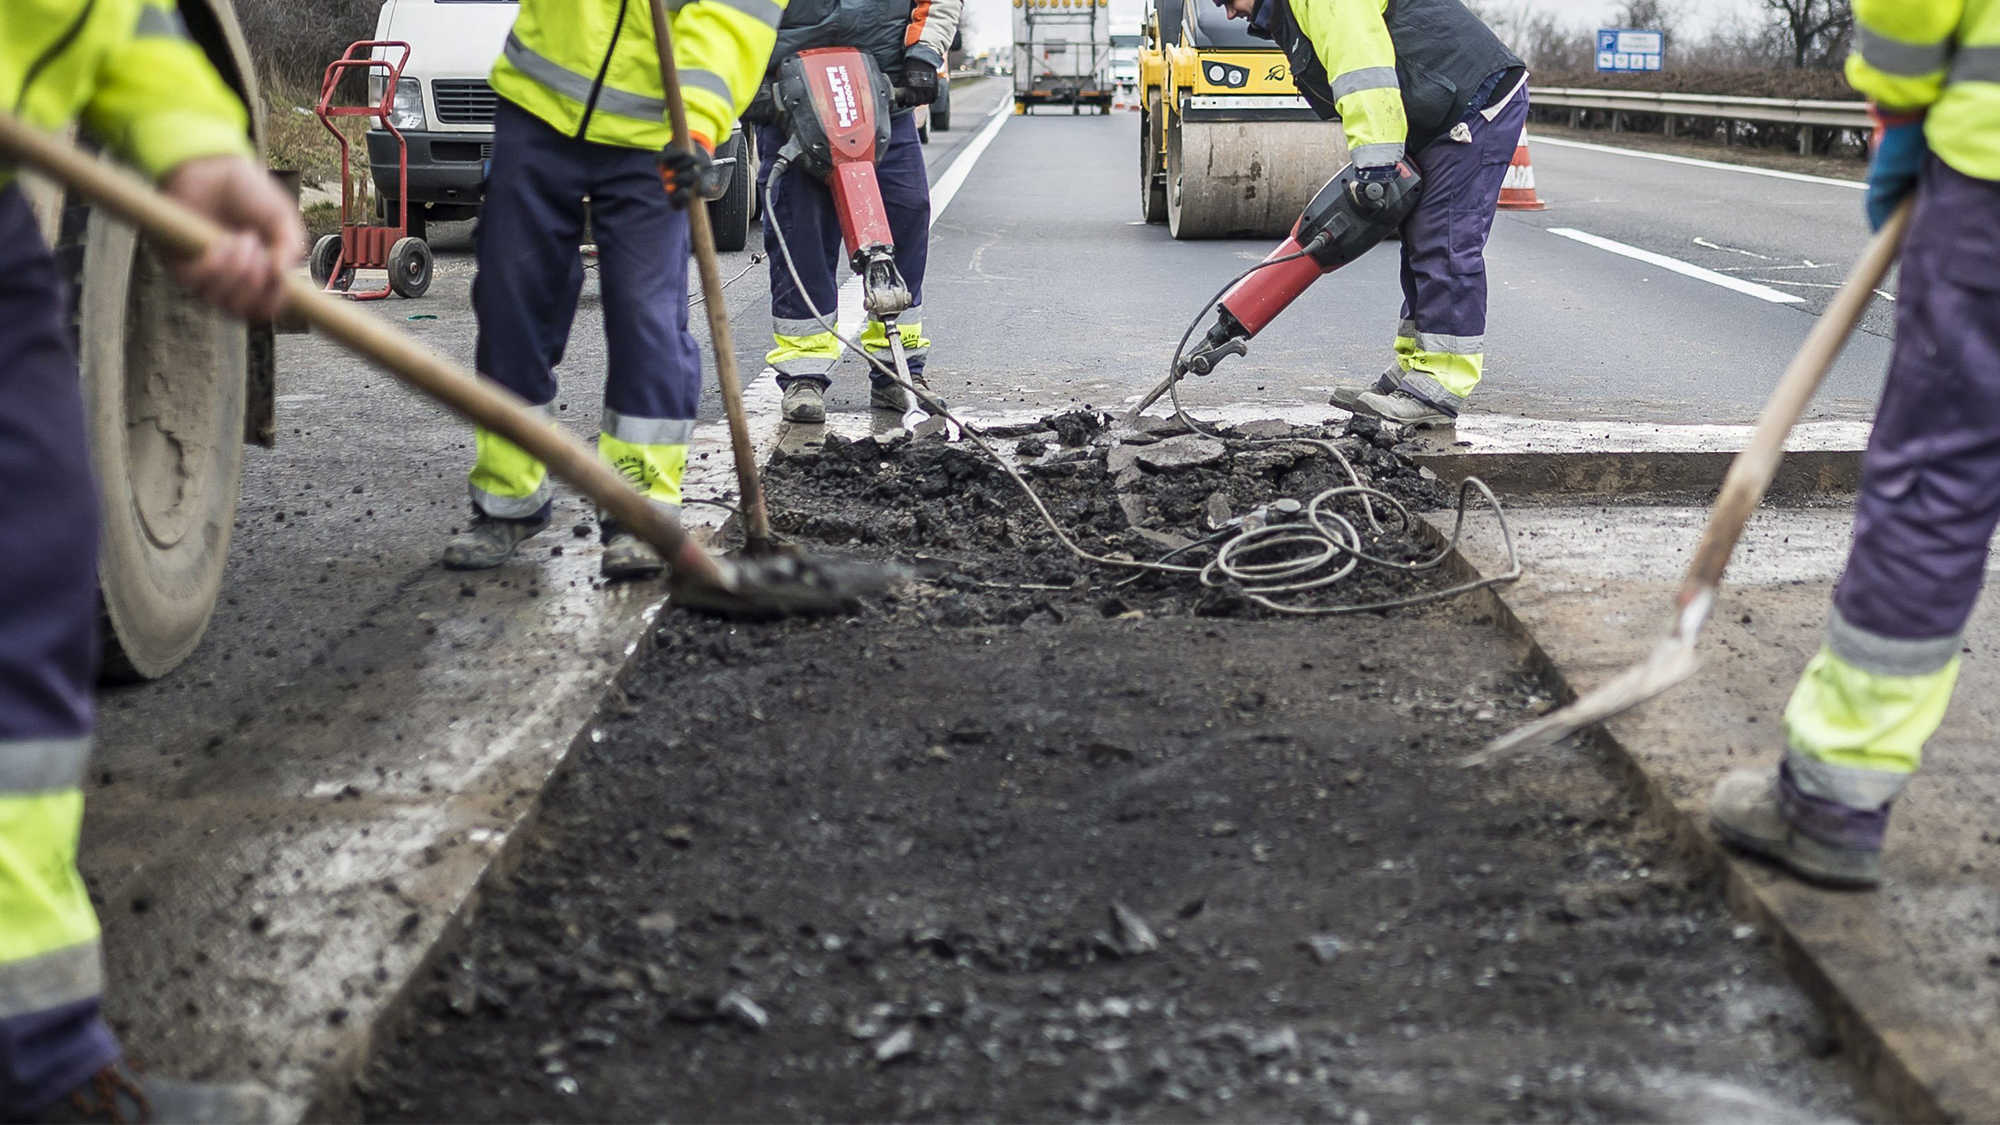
column 834, row 106
column 1345, row 220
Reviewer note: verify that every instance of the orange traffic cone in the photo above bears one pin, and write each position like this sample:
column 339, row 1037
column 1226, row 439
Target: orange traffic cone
column 1517, row 191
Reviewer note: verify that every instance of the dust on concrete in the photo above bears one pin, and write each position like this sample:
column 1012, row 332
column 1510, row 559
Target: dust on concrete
column 1146, row 867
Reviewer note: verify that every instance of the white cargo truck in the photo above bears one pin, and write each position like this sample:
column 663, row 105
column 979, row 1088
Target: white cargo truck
column 1062, row 54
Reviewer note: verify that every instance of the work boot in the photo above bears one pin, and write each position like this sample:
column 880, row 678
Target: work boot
column 1347, row 396
column 1403, row 407
column 805, row 402
column 1766, row 815
column 489, row 541
column 889, row 396
column 116, row 1094
column 628, row 556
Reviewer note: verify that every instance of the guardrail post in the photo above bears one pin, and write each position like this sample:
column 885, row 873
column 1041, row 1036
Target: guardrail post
column 1670, row 126
column 1576, row 119
column 1805, row 140
column 1617, row 121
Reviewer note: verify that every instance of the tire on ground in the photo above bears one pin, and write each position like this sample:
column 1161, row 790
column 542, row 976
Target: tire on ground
column 410, row 267
column 730, row 215
column 163, row 386
column 1152, row 186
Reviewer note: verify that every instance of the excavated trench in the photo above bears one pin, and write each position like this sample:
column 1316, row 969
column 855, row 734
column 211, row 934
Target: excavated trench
column 1024, row 844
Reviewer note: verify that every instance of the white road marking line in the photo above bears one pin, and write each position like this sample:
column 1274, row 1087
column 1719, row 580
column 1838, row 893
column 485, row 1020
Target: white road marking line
column 942, row 193
column 1798, row 177
column 1732, row 250
column 1675, row 265
column 1882, row 293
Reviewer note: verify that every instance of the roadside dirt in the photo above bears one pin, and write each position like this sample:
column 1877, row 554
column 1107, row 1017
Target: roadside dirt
column 1137, row 865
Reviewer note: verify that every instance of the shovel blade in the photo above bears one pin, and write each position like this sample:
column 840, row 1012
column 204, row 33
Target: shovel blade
column 788, row 584
column 1672, row 661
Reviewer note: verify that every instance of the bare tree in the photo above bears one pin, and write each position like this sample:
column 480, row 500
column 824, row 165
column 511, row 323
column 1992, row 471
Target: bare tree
column 1812, row 33
column 1543, row 41
column 1663, row 16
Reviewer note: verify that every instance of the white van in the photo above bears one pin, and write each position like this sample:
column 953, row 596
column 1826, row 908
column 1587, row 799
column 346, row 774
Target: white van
column 444, row 109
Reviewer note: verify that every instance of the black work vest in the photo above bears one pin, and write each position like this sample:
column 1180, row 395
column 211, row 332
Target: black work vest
column 1444, row 54
column 876, row 27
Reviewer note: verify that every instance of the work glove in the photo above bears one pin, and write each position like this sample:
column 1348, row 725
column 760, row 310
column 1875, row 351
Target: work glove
column 1900, row 150
column 1373, row 187
column 920, row 83
column 688, row 171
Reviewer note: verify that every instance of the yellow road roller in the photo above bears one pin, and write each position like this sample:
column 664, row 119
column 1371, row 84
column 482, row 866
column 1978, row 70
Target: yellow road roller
column 1227, row 147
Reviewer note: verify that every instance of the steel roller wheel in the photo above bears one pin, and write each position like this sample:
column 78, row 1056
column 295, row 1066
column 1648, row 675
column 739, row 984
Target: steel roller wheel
column 1241, row 179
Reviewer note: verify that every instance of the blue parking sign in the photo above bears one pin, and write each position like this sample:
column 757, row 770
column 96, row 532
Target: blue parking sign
column 1629, row 50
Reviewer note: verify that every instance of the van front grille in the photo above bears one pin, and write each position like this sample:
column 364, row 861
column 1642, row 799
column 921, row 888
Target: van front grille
column 464, row 101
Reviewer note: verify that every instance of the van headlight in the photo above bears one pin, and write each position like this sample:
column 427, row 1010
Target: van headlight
column 407, row 112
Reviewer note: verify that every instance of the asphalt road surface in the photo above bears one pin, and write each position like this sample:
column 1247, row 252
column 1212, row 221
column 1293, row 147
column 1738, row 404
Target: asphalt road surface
column 1045, row 292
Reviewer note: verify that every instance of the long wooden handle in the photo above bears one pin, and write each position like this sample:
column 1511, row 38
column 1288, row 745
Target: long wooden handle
column 185, row 233
column 1751, row 472
column 756, row 517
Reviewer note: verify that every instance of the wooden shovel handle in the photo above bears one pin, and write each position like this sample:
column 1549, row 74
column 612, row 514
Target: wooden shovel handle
column 185, row 233
column 756, row 516
column 1751, row 472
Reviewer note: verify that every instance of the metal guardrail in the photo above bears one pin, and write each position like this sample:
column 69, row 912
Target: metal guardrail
column 1835, row 115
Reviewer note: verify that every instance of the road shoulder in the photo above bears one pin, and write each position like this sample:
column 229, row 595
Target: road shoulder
column 1909, row 974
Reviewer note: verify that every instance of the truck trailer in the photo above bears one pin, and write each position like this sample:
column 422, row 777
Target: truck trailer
column 1062, row 54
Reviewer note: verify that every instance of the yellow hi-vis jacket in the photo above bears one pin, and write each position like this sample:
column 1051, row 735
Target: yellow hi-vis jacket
column 128, row 67
column 590, row 69
column 1942, row 56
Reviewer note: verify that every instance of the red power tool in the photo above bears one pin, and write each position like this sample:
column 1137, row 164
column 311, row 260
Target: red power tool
column 1345, row 220
column 834, row 105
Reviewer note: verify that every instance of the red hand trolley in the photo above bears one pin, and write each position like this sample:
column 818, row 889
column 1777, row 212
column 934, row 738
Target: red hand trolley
column 365, row 246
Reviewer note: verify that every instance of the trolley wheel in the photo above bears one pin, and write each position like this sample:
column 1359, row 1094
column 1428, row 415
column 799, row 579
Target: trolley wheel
column 325, row 253
column 410, row 267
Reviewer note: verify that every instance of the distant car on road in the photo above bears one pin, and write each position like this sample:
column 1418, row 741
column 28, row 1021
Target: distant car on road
column 1125, row 76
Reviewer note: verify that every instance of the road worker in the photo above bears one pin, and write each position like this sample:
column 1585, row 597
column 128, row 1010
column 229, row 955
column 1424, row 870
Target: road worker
column 1426, row 83
column 1930, row 480
column 909, row 40
column 140, row 85
column 581, row 114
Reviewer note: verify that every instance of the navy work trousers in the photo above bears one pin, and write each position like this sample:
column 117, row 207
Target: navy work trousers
column 48, row 611
column 1930, row 480
column 531, row 274
column 803, row 206
column 1442, row 337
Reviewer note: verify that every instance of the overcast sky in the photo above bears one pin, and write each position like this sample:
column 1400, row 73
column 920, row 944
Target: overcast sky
column 992, row 20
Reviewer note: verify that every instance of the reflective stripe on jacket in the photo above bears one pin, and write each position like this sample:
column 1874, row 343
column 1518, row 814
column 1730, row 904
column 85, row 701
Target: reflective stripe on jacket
column 1937, row 55
column 590, row 68
column 130, row 70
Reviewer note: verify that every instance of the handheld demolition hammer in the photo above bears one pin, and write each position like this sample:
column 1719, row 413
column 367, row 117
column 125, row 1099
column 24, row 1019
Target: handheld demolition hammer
column 834, row 106
column 1346, row 219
